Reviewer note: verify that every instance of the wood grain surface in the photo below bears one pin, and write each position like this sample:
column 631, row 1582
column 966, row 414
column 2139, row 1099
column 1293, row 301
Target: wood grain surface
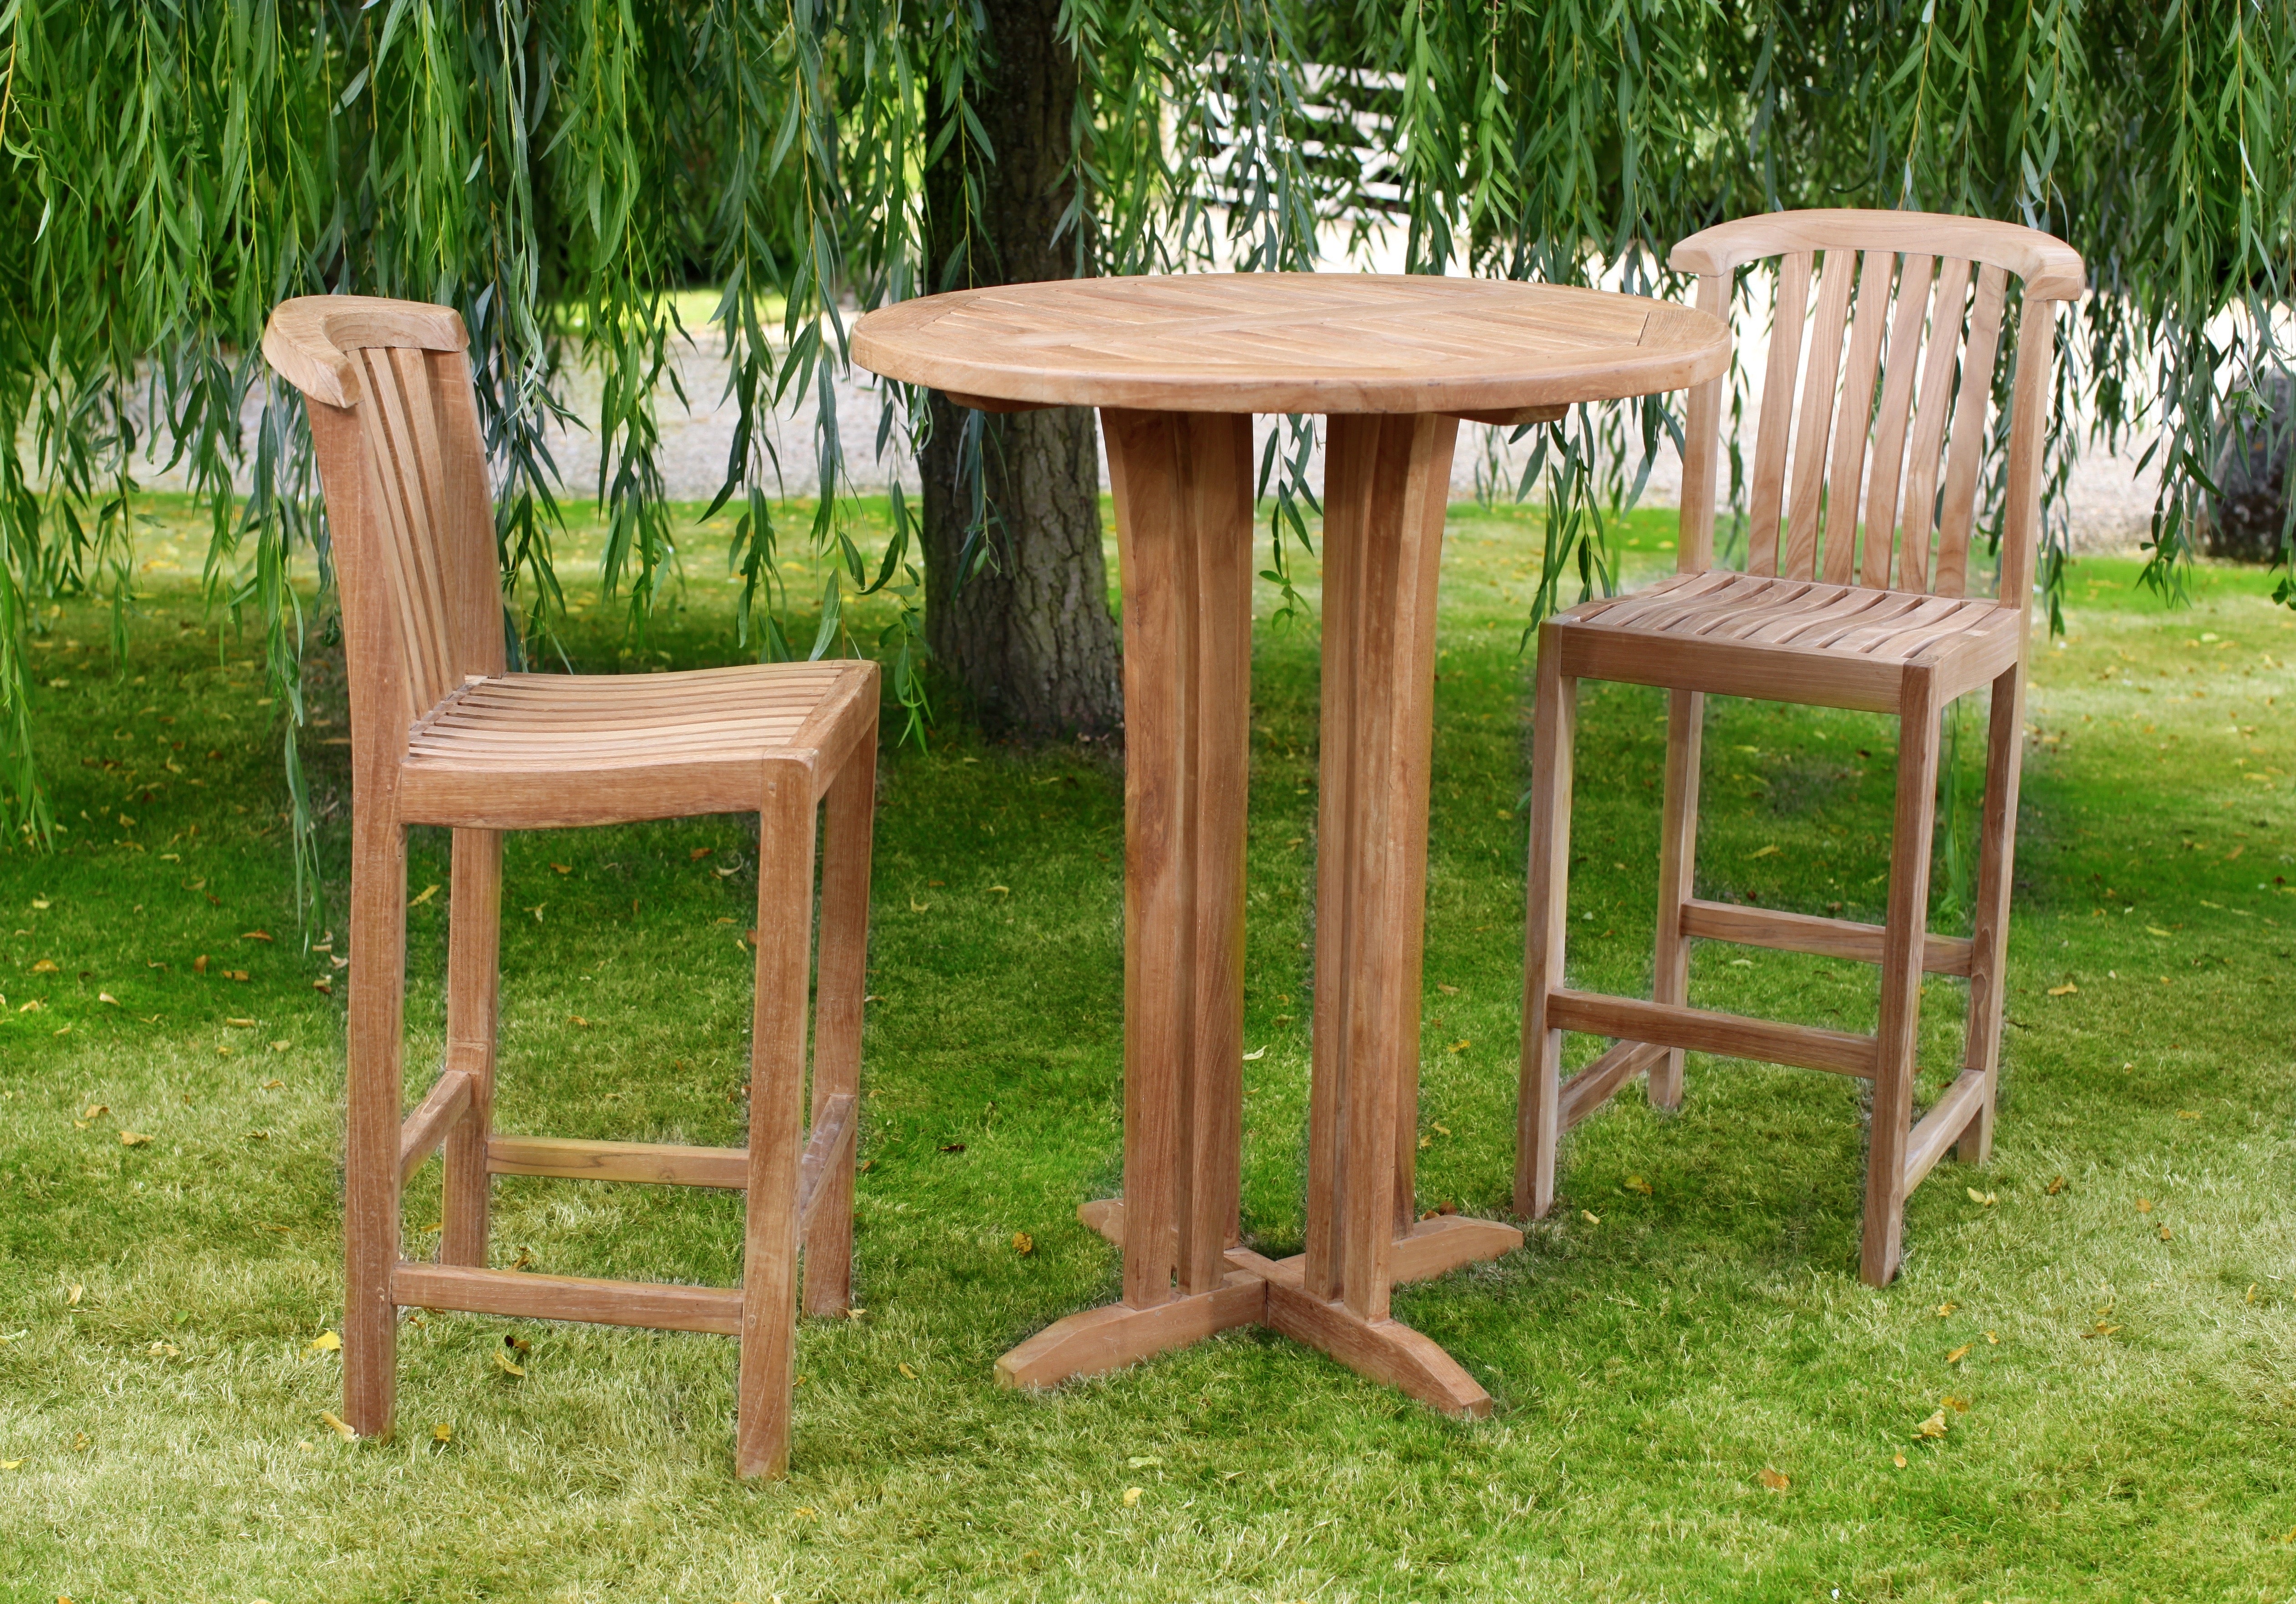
column 1320, row 342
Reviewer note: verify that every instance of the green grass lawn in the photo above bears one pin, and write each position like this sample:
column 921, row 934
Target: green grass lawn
column 2106, row 1323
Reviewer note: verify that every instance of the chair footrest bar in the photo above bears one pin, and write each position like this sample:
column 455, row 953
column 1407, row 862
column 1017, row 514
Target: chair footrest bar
column 1594, row 1086
column 433, row 1118
column 511, row 1292
column 1700, row 1030
column 658, row 1162
column 1805, row 932
column 1943, row 1125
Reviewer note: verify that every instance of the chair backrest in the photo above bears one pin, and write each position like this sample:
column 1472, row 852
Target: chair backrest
column 1887, row 434
column 394, row 426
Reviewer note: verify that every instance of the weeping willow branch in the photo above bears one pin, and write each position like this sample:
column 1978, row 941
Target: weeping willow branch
column 556, row 171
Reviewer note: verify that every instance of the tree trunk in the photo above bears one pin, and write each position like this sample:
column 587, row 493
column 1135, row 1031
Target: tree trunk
column 1027, row 638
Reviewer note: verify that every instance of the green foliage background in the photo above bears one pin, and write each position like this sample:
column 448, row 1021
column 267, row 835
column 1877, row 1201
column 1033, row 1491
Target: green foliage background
column 557, row 169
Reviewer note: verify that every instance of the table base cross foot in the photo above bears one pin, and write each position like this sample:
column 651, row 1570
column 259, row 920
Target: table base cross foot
column 1260, row 1291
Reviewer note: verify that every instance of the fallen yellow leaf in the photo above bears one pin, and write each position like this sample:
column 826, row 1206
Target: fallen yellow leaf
column 1131, row 1496
column 2188, row 1113
column 335, row 1424
column 507, row 1365
column 442, row 1433
column 1590, row 1217
column 107, row 996
column 1767, row 851
column 96, row 1109
column 9, row 1464
column 2056, row 1186
column 424, row 895
column 1993, row 1338
column 163, row 1350
column 2067, row 990
column 325, row 1342
column 134, row 1139
column 1901, row 1461
column 1958, row 1405
column 280, row 1046
column 1982, row 1199
column 1776, row 1481
column 47, row 966
column 1447, row 990
column 71, row 1299
column 1959, row 1354
column 1934, row 1427
column 917, row 907
column 1461, row 1045
column 273, row 1085
column 1945, row 1309
column 2164, row 1233
column 911, row 1374
column 563, row 868
column 1023, row 1243
column 2144, row 1205
column 1636, row 1183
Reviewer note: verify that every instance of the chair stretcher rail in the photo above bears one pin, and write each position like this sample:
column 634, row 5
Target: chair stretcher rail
column 1803, row 933
column 1698, row 1030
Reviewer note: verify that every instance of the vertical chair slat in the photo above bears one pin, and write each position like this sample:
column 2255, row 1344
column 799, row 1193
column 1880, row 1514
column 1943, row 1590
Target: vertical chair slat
column 1839, row 532
column 2020, row 498
column 387, row 511
column 390, row 449
column 415, row 448
column 1766, row 494
column 1918, row 513
column 466, row 528
column 1970, row 417
column 1839, row 275
column 1887, row 475
column 1700, row 447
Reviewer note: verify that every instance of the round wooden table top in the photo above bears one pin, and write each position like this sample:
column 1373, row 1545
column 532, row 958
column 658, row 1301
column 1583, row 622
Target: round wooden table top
column 1319, row 342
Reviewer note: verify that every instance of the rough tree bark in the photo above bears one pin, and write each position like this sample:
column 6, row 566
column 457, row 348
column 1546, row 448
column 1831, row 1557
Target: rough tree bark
column 1028, row 637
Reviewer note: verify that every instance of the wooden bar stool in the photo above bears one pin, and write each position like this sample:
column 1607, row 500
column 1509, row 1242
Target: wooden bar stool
column 1880, row 413
column 441, row 734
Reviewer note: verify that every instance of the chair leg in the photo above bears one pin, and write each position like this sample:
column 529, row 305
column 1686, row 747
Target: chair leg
column 769, row 1241
column 473, row 988
column 1989, row 945
column 838, row 992
column 1902, row 942
column 1539, row 1101
column 378, row 980
column 1678, row 849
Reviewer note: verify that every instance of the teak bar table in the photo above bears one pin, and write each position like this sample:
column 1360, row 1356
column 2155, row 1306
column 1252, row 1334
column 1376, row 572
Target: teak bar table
column 1177, row 366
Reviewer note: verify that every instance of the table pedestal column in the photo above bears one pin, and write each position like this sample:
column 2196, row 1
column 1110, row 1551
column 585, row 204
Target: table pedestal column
column 1183, row 490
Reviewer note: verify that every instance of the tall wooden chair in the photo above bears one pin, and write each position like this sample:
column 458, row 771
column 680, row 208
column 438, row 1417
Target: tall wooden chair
column 441, row 734
column 1887, row 438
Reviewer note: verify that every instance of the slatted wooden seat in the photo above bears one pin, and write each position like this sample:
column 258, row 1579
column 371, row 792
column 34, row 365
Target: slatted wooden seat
column 441, row 735
column 1861, row 507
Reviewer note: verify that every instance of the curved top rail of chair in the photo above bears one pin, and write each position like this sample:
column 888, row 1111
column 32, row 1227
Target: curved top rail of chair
column 2051, row 269
column 1319, row 342
column 307, row 338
